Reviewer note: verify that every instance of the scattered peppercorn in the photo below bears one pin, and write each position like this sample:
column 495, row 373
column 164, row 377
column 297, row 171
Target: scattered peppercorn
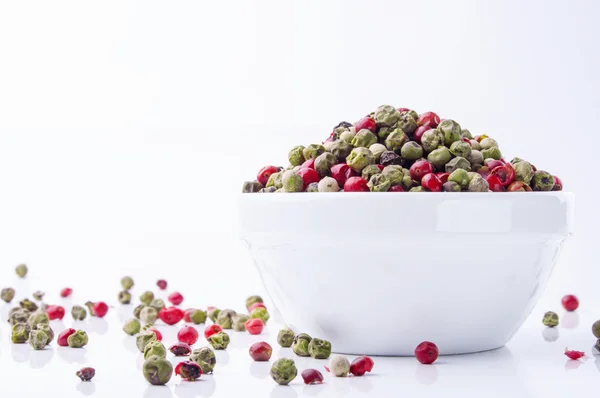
column 155, row 348
column 127, row 282
column 38, row 295
column 284, row 371
column 197, row 316
column 63, row 337
column 20, row 333
column 38, row 339
column 171, row 315
column 124, row 297
column 180, row 349
column 319, row 349
column 212, row 329
column 361, row 365
column 574, row 355
column 44, row 327
column 300, row 345
column 188, row 370
column 213, row 313
column 596, row 329
column 175, row 298
column 77, row 339
column 260, row 313
column 148, row 315
column 21, row 270
column 239, row 322
column 205, row 357
column 285, row 337
column 28, row 305
column 550, row 319
column 18, row 315
column 570, row 302
column 260, row 351
column 147, row 297
column 7, row 294
column 86, row 374
column 78, row 313
column 157, row 370
column 143, row 339
column 219, row 341
column 225, row 319
column 55, row 312
column 100, row 309
column 339, row 365
column 188, row 335
column 312, row 376
column 132, row 327
column 38, row 317
column 426, row 352
column 162, row 284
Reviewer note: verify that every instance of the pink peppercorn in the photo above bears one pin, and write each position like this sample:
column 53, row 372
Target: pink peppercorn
column 366, row 123
column 100, row 309
column 162, row 284
column 570, row 302
column 254, row 326
column 341, row 172
column 175, row 298
column 63, row 337
column 361, row 365
column 265, row 173
column 187, row 335
column 312, row 376
column 308, row 176
column 426, row 352
column 308, row 164
column 261, row 351
column 431, row 183
column 419, row 169
column 66, row 292
column 170, row 315
column 212, row 329
column 356, row 184
column 55, row 312
column 256, row 305
column 428, row 119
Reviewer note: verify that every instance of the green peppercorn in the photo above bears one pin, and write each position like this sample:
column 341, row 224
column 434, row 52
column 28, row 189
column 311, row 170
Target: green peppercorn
column 323, row 163
column 312, row 152
column 596, row 329
column 360, row 158
column 37, row 317
column 396, row 140
column 492, row 152
column 386, row 115
column 20, row 333
column 524, row 172
column 38, row 295
column 251, row 187
column 439, row 157
column 451, row 131
column 292, row 182
column 198, row 316
column 460, row 148
column 142, row 340
column 384, row 132
column 364, row 138
column 542, row 180
column 124, row 297
column 394, row 174
column 77, row 339
column 475, row 157
column 340, row 128
column 225, row 319
column 339, row 365
column 407, row 123
column 28, row 305
column 38, row 339
column 7, row 294
column 147, row 297
column 458, row 163
column 597, row 345
column 127, row 282
column 460, row 177
column 295, row 155
column 157, row 304
column 377, row 150
column 284, row 371
column 275, row 180
column 379, row 183
column 268, row 190
column 219, row 341
column 319, row 349
column 253, row 300
column 340, row 149
column 205, row 357
column 21, row 270
column 157, row 371
column 328, row 184
column 132, row 327
column 550, row 319
column 488, row 143
column 370, row 171
column 466, row 134
column 475, row 145
column 417, row 189
column 432, row 139
column 300, row 345
column 213, row 314
column 148, row 315
column 138, row 310
column 238, row 322
column 78, row 313
column 347, row 136
column 18, row 315
column 285, row 337
column 478, row 183
column 411, row 151
column 515, row 161
column 450, row 186
column 260, row 313
column 46, row 329
column 412, row 113
column 155, row 348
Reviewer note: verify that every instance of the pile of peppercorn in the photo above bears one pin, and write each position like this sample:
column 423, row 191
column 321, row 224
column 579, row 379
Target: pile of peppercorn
column 397, row 150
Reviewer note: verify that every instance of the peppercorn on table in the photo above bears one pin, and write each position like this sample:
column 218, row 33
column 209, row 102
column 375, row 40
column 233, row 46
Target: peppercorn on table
column 533, row 364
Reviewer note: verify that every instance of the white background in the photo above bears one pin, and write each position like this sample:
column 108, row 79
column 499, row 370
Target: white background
column 127, row 128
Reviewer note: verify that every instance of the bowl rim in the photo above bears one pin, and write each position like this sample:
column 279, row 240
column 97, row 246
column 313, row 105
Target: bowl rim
column 568, row 195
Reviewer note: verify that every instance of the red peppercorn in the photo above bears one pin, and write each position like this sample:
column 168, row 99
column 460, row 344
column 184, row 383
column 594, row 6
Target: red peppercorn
column 180, row 349
column 558, row 185
column 261, row 351
column 484, row 172
column 157, row 333
column 356, row 184
column 100, row 309
column 265, row 173
column 443, row 176
column 162, row 284
column 170, row 315
column 419, row 169
column 572, row 354
column 492, row 164
column 175, row 298
column 341, row 172
column 380, row 166
column 187, row 335
column 361, row 365
column 256, row 305
column 402, row 110
column 518, row 186
column 431, row 182
column 494, row 183
column 212, row 329
column 254, row 326
column 465, row 139
column 366, row 123
column 570, row 302
column 505, row 173
column 63, row 336
column 419, row 133
column 188, row 370
column 312, row 376
column 429, row 119
column 308, row 164
column 66, row 292
column 308, row 176
column 426, row 352
column 396, row 188
column 55, row 312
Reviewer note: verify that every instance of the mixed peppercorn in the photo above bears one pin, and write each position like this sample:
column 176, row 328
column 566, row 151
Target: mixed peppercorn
column 396, row 150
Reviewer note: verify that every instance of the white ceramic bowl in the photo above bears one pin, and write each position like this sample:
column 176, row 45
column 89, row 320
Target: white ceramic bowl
column 378, row 273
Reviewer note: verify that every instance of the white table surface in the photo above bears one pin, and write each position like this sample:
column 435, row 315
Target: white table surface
column 533, row 364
